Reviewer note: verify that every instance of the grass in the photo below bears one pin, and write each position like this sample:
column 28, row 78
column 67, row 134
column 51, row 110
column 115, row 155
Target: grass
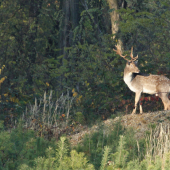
column 47, row 116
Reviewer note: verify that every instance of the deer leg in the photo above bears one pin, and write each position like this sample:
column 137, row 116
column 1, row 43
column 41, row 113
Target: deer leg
column 137, row 97
column 163, row 91
column 140, row 106
column 165, row 100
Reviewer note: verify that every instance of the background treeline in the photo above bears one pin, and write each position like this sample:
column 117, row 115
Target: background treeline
column 66, row 45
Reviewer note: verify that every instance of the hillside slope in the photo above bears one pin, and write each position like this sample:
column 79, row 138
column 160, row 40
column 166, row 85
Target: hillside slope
column 139, row 122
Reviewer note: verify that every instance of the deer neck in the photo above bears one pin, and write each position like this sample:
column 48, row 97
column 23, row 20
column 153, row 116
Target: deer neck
column 128, row 76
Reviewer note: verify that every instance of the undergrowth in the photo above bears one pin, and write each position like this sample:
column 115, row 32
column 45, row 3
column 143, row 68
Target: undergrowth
column 94, row 144
column 20, row 146
column 112, row 147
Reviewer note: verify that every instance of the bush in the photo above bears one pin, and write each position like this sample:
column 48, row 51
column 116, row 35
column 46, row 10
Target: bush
column 61, row 160
column 21, row 146
column 93, row 145
column 157, row 153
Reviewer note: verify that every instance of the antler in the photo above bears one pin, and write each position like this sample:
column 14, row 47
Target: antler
column 118, row 51
column 131, row 55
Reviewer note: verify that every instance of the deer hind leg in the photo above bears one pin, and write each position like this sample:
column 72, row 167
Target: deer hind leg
column 165, row 100
column 137, row 98
column 140, row 106
column 163, row 91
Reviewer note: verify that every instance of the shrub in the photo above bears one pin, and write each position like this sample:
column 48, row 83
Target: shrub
column 61, row 160
column 21, row 146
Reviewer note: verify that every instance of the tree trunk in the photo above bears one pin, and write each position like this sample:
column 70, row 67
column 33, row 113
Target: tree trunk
column 71, row 18
column 114, row 15
column 34, row 10
column 113, row 4
column 70, row 9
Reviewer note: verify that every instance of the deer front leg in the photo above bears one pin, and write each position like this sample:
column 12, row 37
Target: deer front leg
column 137, row 97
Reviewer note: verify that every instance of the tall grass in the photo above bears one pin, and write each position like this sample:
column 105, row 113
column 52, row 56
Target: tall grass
column 158, row 145
column 46, row 114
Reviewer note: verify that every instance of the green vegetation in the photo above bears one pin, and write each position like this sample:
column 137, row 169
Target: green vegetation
column 48, row 45
column 60, row 160
column 93, row 145
column 20, row 146
column 116, row 149
column 58, row 71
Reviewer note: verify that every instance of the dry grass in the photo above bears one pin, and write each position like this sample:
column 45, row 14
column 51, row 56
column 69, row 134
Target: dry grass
column 158, row 144
column 46, row 114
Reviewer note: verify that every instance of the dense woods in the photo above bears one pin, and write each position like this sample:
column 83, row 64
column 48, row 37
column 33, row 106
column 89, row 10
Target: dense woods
column 67, row 45
column 64, row 48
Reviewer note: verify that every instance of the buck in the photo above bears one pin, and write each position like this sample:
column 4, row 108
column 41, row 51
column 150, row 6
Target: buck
column 140, row 83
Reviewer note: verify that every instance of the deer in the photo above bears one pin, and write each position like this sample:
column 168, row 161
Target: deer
column 144, row 83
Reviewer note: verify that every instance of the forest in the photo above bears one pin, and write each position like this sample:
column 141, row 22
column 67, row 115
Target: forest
column 58, row 69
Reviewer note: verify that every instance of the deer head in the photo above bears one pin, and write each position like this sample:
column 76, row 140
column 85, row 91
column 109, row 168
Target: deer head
column 131, row 65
